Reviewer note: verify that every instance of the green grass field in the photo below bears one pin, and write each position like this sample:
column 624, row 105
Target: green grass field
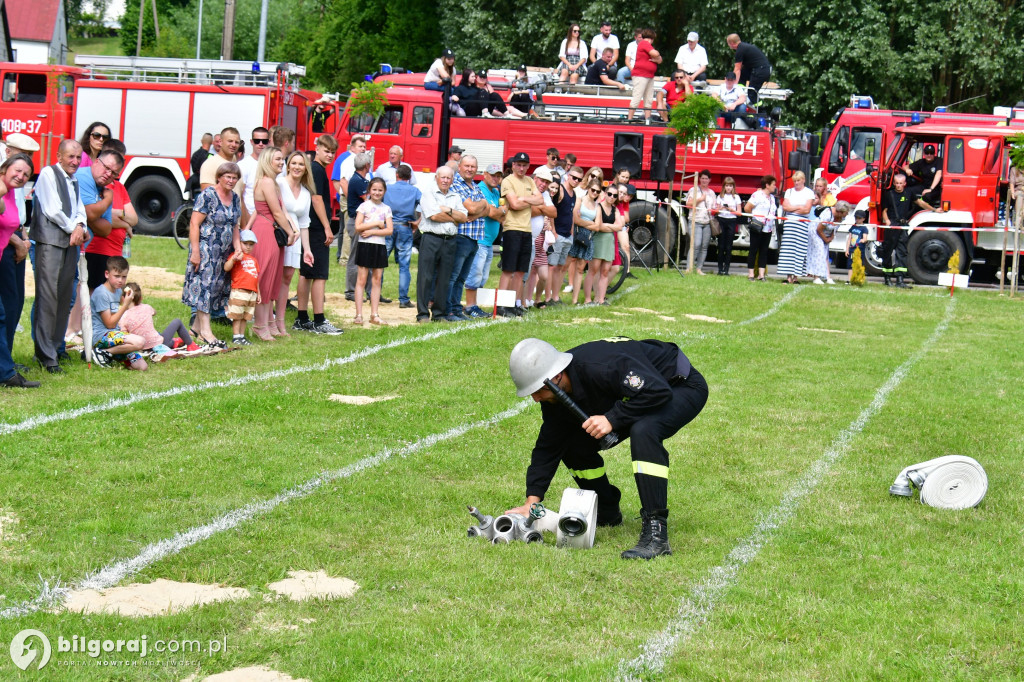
column 107, row 45
column 853, row 584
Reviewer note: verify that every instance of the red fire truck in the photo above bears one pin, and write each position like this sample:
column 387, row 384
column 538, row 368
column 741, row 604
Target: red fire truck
column 975, row 167
column 590, row 122
column 160, row 108
column 859, row 134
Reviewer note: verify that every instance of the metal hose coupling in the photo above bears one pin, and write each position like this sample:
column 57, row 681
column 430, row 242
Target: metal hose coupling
column 485, row 527
column 524, row 530
column 504, row 529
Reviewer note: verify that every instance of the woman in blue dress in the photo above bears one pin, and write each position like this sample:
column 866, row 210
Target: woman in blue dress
column 212, row 237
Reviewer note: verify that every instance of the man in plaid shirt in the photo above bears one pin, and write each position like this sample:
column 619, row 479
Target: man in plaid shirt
column 469, row 233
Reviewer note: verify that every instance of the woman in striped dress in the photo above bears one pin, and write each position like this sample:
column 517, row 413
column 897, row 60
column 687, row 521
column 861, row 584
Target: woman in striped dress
column 797, row 203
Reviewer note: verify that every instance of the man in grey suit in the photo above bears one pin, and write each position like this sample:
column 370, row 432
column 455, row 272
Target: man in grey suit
column 58, row 228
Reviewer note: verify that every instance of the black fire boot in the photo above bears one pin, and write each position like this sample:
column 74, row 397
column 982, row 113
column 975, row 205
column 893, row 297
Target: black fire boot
column 888, row 282
column 653, row 536
column 608, row 512
column 901, row 284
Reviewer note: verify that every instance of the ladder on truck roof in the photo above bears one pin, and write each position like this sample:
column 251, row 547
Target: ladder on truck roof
column 191, row 71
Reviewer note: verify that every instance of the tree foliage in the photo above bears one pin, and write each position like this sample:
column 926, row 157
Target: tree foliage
column 907, row 54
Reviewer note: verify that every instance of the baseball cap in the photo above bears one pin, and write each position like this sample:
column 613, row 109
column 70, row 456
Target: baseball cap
column 692, row 35
column 521, row 157
column 448, row 52
column 247, row 236
column 22, row 141
column 860, row 215
column 493, row 169
column 731, row 76
column 455, row 149
column 543, row 173
column 928, row 148
column 631, row 189
column 522, row 67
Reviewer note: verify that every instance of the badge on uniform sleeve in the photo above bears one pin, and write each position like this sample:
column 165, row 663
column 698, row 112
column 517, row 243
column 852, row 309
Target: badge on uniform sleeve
column 634, row 381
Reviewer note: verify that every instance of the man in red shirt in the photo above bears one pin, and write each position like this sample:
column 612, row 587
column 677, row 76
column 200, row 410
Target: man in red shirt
column 673, row 92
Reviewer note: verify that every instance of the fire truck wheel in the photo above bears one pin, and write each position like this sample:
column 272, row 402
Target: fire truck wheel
column 154, row 197
column 872, row 259
column 928, row 254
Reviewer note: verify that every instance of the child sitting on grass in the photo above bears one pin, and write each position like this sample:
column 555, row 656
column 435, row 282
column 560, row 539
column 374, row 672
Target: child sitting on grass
column 245, row 272
column 138, row 319
column 108, row 306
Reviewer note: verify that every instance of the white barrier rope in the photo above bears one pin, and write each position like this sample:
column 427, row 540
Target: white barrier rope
column 951, row 482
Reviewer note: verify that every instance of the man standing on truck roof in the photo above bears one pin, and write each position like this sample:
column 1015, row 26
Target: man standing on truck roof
column 897, row 205
column 228, row 153
column 751, row 66
column 926, row 177
column 521, row 195
column 340, row 175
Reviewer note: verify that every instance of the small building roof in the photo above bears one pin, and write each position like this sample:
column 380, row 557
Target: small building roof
column 34, row 20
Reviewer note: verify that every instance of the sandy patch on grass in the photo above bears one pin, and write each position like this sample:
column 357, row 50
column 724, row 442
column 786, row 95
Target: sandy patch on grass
column 156, row 282
column 160, row 597
column 253, row 673
column 303, row 585
column 359, row 399
column 644, row 310
column 668, row 318
column 7, row 522
column 705, row 318
column 817, row 329
column 276, row 627
column 340, row 312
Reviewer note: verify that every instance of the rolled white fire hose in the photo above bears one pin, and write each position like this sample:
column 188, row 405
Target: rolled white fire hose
column 577, row 519
column 950, row 482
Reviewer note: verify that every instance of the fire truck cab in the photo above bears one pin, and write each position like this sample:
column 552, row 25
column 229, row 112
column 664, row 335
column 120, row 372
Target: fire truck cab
column 975, row 168
column 159, row 108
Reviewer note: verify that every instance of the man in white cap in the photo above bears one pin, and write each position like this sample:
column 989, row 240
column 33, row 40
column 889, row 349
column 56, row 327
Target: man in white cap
column 693, row 58
column 645, row 391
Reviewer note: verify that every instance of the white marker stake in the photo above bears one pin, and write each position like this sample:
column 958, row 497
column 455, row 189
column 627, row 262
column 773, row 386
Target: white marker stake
column 953, row 281
column 505, row 298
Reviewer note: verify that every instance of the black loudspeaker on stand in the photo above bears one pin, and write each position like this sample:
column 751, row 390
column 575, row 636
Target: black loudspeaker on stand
column 663, row 158
column 628, row 153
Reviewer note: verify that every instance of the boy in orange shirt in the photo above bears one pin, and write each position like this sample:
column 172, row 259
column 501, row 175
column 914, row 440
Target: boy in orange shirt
column 244, row 292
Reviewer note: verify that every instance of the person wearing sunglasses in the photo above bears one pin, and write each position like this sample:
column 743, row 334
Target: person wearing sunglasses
column 565, row 204
column 260, row 140
column 572, row 56
column 97, row 197
column 673, row 92
column 92, row 141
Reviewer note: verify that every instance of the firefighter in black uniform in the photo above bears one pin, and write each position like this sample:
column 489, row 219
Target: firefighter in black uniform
column 897, row 206
column 925, row 177
column 642, row 390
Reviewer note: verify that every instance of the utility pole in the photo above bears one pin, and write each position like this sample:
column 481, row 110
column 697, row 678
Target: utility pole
column 228, row 40
column 262, row 48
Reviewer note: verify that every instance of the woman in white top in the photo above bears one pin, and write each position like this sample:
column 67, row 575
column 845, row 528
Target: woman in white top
column 443, row 68
column 296, row 185
column 798, row 202
column 572, row 56
column 701, row 199
column 727, row 206
column 762, row 206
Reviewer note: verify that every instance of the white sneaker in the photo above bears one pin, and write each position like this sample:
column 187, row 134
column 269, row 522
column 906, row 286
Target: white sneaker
column 567, row 289
column 486, row 114
column 817, row 280
column 830, row 281
column 528, row 303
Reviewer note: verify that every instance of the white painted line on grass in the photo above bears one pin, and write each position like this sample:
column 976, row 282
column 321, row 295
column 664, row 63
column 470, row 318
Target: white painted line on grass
column 115, row 572
column 774, row 309
column 696, row 610
column 132, row 398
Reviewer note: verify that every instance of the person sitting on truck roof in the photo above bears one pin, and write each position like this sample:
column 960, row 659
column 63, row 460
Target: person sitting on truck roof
column 605, row 40
column 926, row 180
column 572, row 56
column 442, row 70
column 229, row 139
column 597, row 74
column 733, row 97
column 468, row 95
column 626, row 72
column 523, row 96
column 673, row 92
column 495, row 104
column 692, row 58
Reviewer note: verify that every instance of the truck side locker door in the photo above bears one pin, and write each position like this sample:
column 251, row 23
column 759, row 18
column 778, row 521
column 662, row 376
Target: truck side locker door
column 987, row 196
column 423, row 137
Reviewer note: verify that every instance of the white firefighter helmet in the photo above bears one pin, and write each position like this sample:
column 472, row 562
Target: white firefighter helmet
column 532, row 361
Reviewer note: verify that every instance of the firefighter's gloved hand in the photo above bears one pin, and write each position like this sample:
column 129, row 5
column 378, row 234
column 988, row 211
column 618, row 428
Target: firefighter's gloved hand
column 598, row 426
